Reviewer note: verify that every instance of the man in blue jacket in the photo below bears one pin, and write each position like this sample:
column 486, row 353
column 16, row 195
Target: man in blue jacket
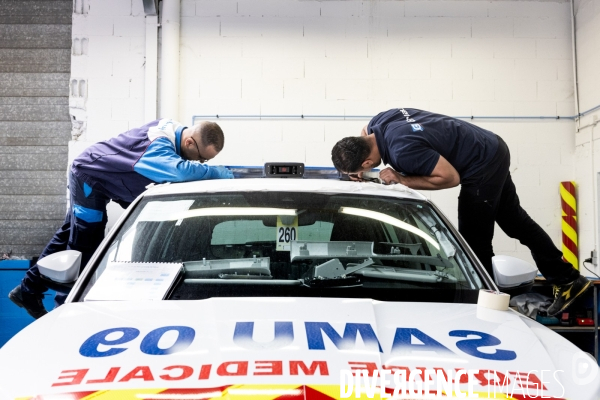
column 119, row 169
column 431, row 151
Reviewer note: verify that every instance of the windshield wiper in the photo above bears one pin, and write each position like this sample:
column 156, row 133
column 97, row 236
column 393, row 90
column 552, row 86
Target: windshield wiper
column 343, row 281
column 406, row 274
column 238, row 282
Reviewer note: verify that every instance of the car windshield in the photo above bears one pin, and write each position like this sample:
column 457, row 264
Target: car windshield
column 197, row 246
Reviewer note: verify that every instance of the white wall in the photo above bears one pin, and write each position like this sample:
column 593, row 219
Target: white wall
column 111, row 63
column 112, row 66
column 587, row 151
column 461, row 58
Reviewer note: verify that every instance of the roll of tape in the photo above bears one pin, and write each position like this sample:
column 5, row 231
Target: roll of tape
column 493, row 300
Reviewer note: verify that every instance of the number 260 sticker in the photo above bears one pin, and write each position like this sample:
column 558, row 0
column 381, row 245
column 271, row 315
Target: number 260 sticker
column 286, row 233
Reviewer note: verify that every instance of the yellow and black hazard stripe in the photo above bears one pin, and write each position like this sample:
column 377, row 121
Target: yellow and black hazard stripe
column 568, row 202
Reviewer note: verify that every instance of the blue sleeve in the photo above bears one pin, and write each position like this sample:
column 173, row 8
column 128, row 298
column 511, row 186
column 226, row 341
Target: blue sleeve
column 160, row 163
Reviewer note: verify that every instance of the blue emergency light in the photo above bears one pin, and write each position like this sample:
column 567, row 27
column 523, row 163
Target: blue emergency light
column 285, row 170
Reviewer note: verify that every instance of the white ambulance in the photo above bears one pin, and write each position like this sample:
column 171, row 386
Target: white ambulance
column 309, row 287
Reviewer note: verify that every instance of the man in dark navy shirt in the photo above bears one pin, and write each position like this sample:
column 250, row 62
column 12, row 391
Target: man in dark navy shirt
column 430, row 151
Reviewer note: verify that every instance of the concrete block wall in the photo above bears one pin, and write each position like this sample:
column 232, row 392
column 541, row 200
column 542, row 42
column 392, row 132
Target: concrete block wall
column 587, row 138
column 107, row 64
column 34, row 122
column 356, row 58
column 107, row 69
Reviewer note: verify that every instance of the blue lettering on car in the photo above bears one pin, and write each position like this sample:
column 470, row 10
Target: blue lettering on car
column 89, row 348
column 471, row 346
column 315, row 330
column 284, row 335
column 403, row 343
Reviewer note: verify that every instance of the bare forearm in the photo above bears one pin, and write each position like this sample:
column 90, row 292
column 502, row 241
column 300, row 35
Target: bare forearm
column 443, row 176
column 428, row 182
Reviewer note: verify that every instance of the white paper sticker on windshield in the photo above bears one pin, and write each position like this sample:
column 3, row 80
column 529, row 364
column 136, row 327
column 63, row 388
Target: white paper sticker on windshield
column 134, row 281
column 164, row 210
column 287, row 230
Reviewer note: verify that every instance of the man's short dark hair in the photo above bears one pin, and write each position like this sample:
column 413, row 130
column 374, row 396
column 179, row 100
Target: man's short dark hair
column 349, row 153
column 211, row 134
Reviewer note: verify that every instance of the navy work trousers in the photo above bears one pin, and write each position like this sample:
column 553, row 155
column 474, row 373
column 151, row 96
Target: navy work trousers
column 82, row 230
column 490, row 196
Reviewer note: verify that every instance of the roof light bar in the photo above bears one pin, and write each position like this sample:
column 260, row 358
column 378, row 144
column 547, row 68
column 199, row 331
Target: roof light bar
column 266, row 171
column 284, row 170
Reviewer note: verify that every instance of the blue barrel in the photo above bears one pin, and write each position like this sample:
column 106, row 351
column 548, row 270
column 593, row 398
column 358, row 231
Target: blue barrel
column 12, row 317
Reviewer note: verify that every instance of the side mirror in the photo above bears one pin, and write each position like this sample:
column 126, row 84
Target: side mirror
column 512, row 272
column 62, row 267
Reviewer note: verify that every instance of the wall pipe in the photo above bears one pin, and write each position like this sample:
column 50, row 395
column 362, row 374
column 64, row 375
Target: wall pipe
column 169, row 58
column 574, row 55
column 151, row 68
column 590, row 110
column 595, row 189
column 350, row 117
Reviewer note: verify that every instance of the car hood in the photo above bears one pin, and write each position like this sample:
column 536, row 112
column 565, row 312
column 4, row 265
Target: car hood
column 298, row 347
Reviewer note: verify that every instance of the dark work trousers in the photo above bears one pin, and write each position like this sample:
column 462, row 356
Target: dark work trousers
column 490, row 197
column 82, row 230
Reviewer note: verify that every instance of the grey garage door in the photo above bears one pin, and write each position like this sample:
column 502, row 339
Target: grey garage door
column 35, row 60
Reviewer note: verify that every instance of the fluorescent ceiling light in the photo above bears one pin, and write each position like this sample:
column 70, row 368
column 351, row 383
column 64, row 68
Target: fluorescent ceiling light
column 232, row 211
column 389, row 220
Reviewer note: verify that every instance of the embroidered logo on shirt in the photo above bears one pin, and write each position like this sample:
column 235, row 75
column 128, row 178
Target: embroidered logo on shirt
column 416, row 127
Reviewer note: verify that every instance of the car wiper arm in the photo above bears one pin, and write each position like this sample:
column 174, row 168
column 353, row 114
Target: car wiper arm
column 246, row 281
column 405, row 274
column 344, row 281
